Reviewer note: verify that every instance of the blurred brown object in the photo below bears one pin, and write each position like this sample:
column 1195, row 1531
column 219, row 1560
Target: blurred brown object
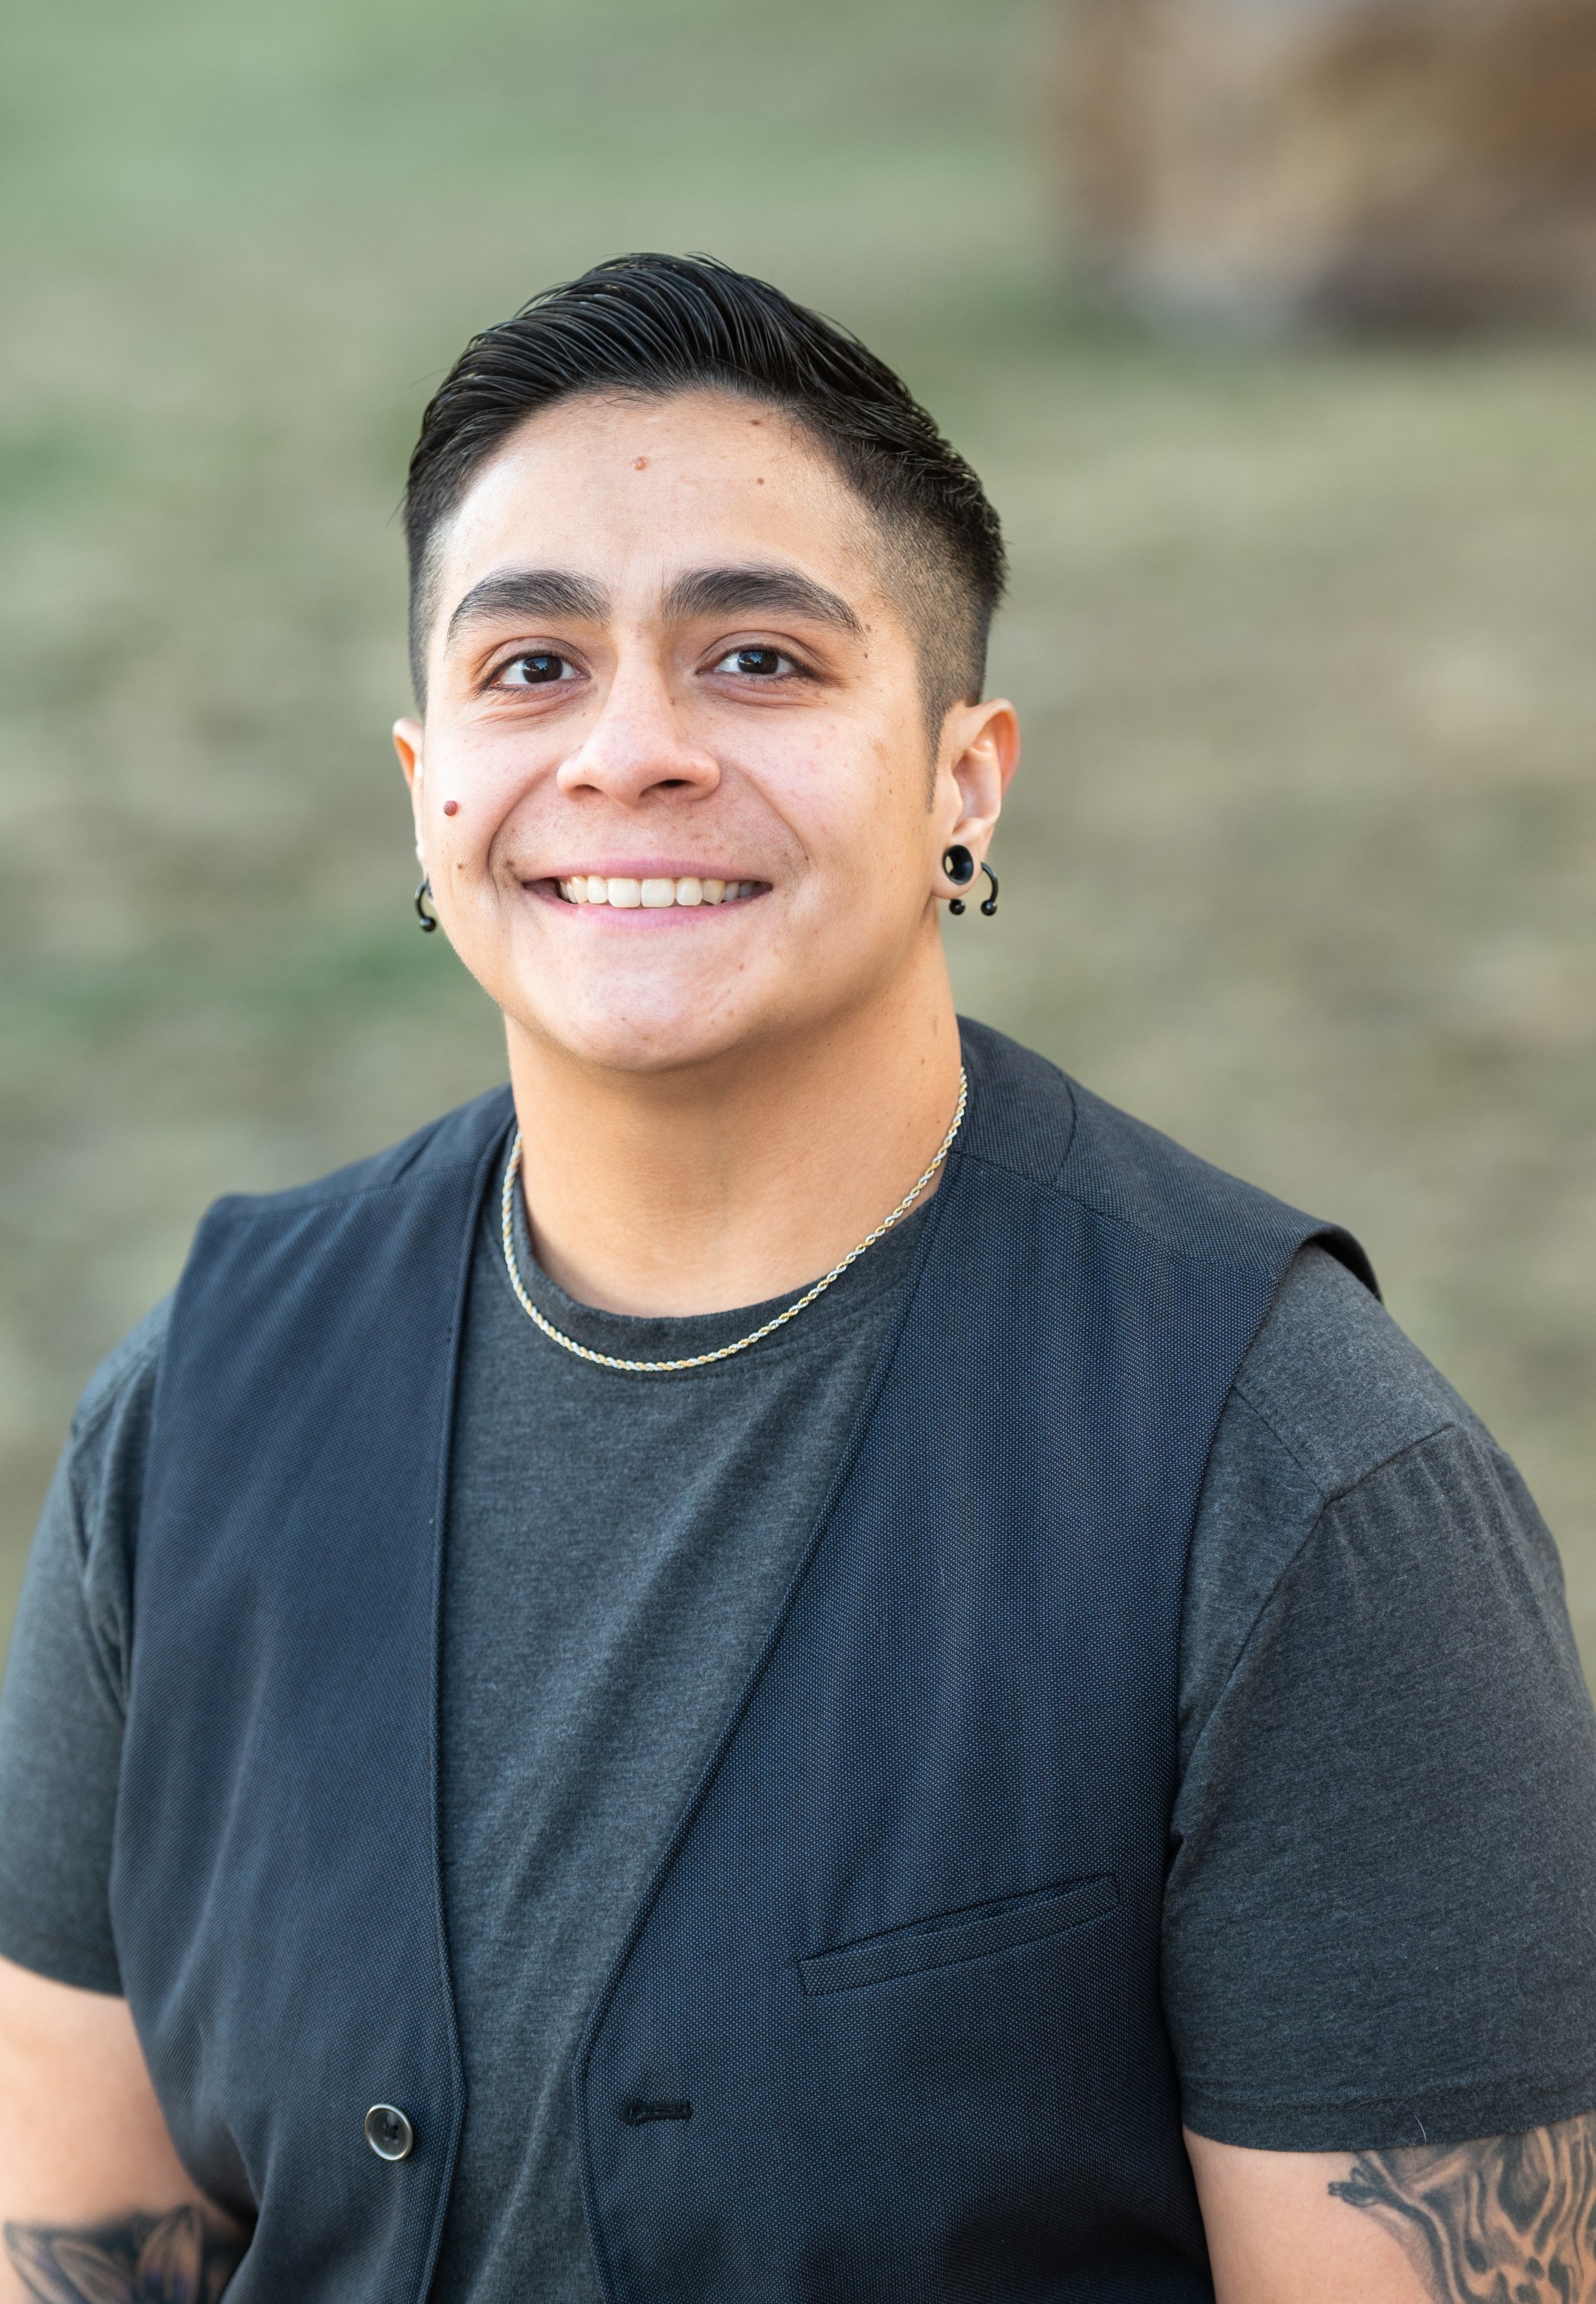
column 1370, row 163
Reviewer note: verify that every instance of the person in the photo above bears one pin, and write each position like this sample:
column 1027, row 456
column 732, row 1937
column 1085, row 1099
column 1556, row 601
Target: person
column 789, row 1660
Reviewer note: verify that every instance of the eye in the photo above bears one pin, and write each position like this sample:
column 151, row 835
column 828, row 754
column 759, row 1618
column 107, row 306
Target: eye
column 539, row 668
column 758, row 664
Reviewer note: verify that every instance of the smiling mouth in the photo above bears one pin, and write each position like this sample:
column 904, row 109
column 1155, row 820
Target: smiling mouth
column 655, row 895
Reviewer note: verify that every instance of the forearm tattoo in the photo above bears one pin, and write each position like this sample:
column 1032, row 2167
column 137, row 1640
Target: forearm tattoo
column 171, row 2259
column 1508, row 2221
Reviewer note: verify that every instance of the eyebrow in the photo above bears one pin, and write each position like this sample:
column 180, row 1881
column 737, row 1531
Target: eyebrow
column 783, row 591
column 701, row 592
column 531, row 592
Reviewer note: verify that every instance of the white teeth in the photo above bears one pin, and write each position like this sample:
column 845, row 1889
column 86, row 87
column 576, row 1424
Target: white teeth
column 652, row 895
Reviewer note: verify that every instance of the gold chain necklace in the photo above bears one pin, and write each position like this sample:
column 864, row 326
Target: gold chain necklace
column 702, row 1360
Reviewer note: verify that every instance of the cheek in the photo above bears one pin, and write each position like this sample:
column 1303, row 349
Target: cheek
column 845, row 792
column 473, row 790
column 877, row 812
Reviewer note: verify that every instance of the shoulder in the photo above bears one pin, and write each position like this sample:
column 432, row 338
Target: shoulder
column 127, row 1371
column 88, row 1529
column 110, row 1426
column 1336, row 1414
column 1337, row 1382
column 1032, row 1120
column 456, row 1143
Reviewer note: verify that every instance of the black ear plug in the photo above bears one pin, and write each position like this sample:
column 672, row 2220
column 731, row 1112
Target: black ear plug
column 960, row 868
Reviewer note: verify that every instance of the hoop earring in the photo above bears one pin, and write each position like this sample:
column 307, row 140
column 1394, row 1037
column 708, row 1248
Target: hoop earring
column 959, row 865
column 428, row 919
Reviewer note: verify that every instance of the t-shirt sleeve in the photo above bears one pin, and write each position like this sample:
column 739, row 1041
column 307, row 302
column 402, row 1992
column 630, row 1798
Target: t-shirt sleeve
column 63, row 1697
column 1380, row 1925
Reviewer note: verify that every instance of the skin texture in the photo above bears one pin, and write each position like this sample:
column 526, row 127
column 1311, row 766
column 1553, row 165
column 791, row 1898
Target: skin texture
column 1508, row 2220
column 717, row 1105
column 89, row 2181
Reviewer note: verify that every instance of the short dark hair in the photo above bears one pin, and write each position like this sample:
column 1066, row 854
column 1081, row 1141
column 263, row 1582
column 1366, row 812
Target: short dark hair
column 660, row 325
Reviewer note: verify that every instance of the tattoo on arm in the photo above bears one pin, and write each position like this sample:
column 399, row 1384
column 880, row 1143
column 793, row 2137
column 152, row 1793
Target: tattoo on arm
column 1508, row 2221
column 171, row 2259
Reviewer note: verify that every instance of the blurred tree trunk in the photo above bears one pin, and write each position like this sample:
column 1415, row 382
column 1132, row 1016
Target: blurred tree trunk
column 1377, row 163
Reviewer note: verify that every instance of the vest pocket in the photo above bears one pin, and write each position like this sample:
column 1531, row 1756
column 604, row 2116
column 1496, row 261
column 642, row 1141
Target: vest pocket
column 969, row 1935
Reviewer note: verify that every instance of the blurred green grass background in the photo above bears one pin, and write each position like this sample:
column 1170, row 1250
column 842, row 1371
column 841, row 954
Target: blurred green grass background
column 1303, row 862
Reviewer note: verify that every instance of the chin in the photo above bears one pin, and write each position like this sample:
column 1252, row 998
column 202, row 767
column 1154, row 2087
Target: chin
column 641, row 1036
column 672, row 1010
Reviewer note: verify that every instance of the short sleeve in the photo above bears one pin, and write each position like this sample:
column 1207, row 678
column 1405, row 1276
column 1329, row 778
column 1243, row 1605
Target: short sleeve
column 1381, row 1923
column 63, row 1699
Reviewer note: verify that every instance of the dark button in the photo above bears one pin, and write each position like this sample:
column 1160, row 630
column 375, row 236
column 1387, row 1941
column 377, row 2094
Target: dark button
column 389, row 2132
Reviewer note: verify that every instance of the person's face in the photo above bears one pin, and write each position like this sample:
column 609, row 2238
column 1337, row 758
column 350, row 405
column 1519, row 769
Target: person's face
column 663, row 653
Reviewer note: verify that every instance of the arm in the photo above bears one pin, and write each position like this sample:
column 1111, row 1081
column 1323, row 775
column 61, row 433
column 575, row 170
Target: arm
column 1509, row 2220
column 95, row 2205
column 1385, row 1862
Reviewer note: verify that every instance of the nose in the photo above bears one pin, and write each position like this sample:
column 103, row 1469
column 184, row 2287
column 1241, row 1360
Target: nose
column 638, row 748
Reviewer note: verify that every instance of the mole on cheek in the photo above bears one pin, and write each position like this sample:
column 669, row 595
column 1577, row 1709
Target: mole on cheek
column 640, row 463
column 451, row 808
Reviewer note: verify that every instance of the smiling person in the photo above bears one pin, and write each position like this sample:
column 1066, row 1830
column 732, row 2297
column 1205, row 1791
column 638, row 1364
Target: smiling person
column 789, row 1660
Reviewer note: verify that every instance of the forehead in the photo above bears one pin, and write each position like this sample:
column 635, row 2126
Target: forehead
column 630, row 491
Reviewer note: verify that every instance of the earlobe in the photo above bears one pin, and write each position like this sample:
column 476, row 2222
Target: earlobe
column 960, row 868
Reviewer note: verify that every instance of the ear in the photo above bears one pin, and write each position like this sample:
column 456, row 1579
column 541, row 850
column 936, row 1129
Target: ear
column 979, row 753
column 407, row 743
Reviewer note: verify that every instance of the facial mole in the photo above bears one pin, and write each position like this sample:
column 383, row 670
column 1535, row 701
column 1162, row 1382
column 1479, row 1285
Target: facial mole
column 451, row 808
column 640, row 463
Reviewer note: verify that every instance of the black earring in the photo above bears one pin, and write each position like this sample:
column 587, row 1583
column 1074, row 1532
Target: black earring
column 960, row 868
column 428, row 919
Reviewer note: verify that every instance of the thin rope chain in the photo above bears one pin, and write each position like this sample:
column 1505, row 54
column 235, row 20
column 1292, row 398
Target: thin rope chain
column 702, row 1360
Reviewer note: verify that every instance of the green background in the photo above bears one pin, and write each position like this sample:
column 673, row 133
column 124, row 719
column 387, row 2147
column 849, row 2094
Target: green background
column 1302, row 861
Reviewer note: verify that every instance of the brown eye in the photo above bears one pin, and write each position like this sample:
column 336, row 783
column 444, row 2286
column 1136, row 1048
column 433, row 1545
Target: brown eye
column 537, row 669
column 756, row 663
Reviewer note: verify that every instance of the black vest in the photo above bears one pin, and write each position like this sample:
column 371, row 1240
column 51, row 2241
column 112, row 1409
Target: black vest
column 901, row 1959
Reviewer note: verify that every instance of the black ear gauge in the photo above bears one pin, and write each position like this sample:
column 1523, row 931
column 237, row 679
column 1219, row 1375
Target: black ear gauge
column 959, row 865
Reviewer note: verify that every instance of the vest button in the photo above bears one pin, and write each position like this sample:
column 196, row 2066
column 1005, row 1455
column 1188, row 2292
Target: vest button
column 389, row 2132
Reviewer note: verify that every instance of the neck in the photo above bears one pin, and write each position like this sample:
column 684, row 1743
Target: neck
column 712, row 1186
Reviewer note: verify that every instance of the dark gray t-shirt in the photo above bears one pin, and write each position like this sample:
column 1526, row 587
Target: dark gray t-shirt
column 1381, row 1915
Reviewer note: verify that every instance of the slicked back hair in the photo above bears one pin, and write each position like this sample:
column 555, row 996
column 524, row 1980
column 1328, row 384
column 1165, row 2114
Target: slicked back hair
column 659, row 325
